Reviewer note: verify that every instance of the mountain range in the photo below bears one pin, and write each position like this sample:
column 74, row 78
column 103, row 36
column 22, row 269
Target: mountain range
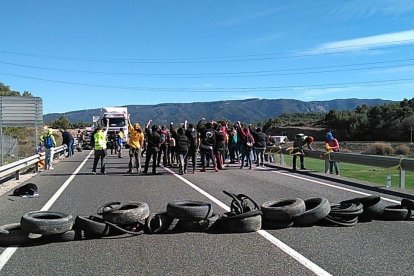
column 248, row 111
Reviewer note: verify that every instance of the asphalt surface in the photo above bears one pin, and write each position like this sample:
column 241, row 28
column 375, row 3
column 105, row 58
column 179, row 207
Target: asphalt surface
column 371, row 248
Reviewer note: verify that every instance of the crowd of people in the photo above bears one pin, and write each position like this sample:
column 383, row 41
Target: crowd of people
column 180, row 145
column 216, row 143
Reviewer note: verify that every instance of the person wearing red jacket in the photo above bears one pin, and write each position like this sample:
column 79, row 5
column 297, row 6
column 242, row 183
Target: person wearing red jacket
column 247, row 142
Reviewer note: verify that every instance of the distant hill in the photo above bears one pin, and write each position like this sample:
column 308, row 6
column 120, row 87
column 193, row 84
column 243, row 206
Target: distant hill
column 249, row 111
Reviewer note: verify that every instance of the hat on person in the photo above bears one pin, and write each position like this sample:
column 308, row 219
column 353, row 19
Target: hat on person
column 329, row 136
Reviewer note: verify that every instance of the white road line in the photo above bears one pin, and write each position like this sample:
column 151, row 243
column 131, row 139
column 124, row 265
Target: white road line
column 282, row 246
column 9, row 251
column 329, row 185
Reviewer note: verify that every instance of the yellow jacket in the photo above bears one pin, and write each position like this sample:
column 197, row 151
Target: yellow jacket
column 136, row 138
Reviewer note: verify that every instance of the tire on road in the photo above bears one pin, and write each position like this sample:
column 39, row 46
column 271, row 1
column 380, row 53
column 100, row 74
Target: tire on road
column 189, row 210
column 396, row 212
column 109, row 207
column 316, row 209
column 12, row 234
column 339, row 221
column 158, row 223
column 409, row 203
column 46, row 222
column 93, row 227
column 127, row 213
column 273, row 224
column 198, row 226
column 284, row 209
column 242, row 223
column 68, row 236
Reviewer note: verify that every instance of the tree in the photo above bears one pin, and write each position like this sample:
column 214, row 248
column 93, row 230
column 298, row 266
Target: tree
column 61, row 123
column 6, row 91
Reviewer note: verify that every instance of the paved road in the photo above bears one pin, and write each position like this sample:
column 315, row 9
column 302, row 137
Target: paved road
column 374, row 248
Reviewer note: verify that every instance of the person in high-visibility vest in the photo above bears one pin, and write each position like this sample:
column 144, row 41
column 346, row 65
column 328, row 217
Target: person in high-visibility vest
column 100, row 148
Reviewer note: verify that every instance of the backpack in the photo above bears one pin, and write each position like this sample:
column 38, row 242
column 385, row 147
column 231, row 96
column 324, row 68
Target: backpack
column 49, row 142
column 28, row 189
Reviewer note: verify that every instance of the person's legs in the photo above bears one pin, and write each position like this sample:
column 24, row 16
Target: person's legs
column 95, row 160
column 138, row 159
column 203, row 159
column 103, row 154
column 294, row 162
column 154, row 161
column 249, row 159
column 302, row 164
column 147, row 160
column 131, row 155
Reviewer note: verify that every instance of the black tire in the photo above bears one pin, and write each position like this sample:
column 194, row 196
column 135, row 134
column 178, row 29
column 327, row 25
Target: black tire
column 316, row 209
column 272, row 224
column 243, row 225
column 339, row 221
column 12, row 234
column 158, row 223
column 68, row 236
column 198, row 226
column 46, row 222
column 92, row 227
column 189, row 210
column 409, row 203
column 235, row 216
column 395, row 212
column 346, row 210
column 284, row 209
column 366, row 201
column 374, row 211
column 109, row 207
column 127, row 213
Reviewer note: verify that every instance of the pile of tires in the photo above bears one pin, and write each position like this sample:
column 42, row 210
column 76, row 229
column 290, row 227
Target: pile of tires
column 191, row 216
column 116, row 218
column 245, row 215
column 401, row 211
column 281, row 213
column 38, row 226
column 343, row 214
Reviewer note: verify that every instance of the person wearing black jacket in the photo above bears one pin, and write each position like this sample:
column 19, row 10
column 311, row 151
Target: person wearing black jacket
column 259, row 146
column 192, row 135
column 153, row 146
column 181, row 146
column 68, row 140
column 207, row 143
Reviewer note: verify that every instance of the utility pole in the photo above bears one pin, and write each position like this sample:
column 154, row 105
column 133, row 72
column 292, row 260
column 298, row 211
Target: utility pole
column 411, row 135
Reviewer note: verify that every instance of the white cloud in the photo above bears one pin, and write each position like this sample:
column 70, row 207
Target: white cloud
column 368, row 42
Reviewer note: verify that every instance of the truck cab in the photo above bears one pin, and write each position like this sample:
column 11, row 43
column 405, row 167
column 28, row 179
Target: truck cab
column 118, row 119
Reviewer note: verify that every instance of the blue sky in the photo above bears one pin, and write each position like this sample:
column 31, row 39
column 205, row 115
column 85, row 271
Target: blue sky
column 88, row 54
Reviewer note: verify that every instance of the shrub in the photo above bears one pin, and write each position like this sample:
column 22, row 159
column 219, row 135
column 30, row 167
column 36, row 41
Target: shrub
column 402, row 150
column 379, row 149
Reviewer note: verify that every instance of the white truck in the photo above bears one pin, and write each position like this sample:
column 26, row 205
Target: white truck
column 118, row 119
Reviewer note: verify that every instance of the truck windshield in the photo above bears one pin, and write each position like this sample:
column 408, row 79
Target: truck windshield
column 116, row 122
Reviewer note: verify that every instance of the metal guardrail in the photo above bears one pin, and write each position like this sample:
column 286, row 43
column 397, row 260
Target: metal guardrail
column 17, row 166
column 400, row 163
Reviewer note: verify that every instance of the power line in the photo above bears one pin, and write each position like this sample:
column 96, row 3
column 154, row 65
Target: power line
column 240, row 58
column 224, row 89
column 261, row 73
